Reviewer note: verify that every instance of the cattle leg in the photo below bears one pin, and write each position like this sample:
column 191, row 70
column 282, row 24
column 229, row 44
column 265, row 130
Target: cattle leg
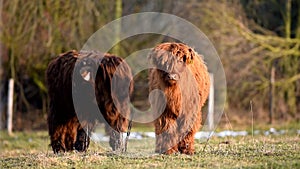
column 82, row 141
column 186, row 145
column 57, row 137
column 83, row 137
column 115, row 138
column 166, row 137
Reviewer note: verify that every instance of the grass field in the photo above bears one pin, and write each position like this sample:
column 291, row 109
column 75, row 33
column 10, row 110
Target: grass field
column 31, row 150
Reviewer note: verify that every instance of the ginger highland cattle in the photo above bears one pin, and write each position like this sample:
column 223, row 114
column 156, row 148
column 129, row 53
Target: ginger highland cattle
column 182, row 77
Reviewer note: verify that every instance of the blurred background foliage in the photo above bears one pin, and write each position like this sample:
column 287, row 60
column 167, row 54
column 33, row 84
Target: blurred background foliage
column 257, row 41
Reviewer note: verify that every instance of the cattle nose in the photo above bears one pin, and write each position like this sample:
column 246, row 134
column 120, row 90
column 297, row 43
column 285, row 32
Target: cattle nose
column 173, row 76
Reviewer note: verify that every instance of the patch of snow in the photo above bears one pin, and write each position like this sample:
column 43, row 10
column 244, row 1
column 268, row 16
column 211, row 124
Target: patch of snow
column 198, row 135
column 256, row 132
column 99, row 137
column 272, row 130
column 231, row 133
column 203, row 134
column 149, row 134
column 135, row 135
column 282, row 132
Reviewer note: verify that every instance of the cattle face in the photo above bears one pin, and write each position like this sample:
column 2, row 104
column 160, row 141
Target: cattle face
column 171, row 60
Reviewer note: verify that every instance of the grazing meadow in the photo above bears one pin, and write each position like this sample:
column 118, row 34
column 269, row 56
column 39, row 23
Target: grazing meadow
column 261, row 150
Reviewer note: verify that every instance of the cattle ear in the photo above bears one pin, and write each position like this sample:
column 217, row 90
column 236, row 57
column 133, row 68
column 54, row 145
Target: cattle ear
column 87, row 70
column 149, row 57
column 85, row 74
column 152, row 57
column 190, row 58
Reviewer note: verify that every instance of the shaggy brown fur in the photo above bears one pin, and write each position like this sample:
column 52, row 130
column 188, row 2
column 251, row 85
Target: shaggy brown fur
column 182, row 76
column 67, row 128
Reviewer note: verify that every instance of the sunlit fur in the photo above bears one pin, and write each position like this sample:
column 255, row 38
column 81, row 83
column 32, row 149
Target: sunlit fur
column 181, row 119
column 65, row 130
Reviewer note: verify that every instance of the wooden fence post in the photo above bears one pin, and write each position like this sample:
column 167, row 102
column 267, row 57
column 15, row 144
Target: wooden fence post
column 211, row 103
column 271, row 93
column 10, row 106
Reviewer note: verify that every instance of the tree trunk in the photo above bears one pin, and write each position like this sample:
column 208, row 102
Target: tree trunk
column 118, row 14
column 271, row 93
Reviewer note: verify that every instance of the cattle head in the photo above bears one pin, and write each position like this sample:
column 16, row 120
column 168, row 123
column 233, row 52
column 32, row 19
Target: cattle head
column 87, row 70
column 87, row 65
column 171, row 60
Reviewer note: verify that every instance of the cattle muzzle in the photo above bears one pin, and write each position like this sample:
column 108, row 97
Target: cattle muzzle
column 173, row 76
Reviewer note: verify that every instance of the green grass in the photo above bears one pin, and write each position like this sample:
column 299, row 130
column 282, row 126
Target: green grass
column 31, row 150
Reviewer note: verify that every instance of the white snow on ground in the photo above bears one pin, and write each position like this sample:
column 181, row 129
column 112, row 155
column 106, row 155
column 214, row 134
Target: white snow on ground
column 227, row 133
column 99, row 137
column 274, row 131
column 199, row 135
column 203, row 135
column 149, row 134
